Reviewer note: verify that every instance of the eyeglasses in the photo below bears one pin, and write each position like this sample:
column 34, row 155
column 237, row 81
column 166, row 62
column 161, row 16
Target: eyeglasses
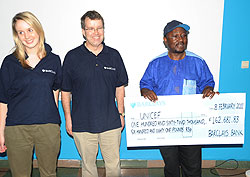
column 92, row 30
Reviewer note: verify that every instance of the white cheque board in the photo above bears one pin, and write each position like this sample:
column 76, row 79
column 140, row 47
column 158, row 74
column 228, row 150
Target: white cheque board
column 185, row 120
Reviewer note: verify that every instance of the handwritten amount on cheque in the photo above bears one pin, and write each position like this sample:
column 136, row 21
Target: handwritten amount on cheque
column 152, row 122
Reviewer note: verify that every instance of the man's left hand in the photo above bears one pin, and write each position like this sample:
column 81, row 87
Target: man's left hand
column 209, row 92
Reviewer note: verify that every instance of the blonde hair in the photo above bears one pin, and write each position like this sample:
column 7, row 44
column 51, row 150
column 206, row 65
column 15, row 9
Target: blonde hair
column 19, row 49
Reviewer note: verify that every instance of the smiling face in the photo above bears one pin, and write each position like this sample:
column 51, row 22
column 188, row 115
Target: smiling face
column 176, row 40
column 27, row 35
column 93, row 33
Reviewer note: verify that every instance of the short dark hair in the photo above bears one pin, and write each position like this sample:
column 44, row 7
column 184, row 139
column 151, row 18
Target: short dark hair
column 93, row 15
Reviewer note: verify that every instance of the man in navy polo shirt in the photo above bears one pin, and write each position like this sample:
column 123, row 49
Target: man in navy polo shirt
column 95, row 75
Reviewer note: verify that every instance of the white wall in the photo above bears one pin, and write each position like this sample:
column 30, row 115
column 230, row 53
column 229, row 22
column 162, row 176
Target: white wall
column 134, row 27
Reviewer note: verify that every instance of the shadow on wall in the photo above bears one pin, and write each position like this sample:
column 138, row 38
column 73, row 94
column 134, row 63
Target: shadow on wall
column 3, row 154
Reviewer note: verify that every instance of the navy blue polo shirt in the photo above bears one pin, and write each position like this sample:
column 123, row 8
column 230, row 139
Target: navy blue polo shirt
column 29, row 92
column 92, row 80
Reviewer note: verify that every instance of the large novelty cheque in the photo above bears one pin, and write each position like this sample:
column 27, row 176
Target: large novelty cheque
column 185, row 120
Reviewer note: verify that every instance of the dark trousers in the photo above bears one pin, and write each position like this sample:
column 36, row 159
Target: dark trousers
column 186, row 159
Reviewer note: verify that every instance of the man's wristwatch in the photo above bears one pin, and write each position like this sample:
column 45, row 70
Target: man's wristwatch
column 122, row 114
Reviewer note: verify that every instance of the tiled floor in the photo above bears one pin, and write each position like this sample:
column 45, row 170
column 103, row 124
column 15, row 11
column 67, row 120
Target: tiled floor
column 137, row 169
column 135, row 172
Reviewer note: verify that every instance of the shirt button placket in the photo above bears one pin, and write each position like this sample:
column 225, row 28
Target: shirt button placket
column 96, row 61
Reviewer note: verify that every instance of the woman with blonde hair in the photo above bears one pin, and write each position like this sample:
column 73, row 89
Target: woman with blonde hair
column 29, row 119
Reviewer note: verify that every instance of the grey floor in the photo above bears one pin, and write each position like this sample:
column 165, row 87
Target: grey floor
column 128, row 172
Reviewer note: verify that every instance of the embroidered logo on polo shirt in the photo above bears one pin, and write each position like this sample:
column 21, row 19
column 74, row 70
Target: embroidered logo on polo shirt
column 109, row 68
column 48, row 71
